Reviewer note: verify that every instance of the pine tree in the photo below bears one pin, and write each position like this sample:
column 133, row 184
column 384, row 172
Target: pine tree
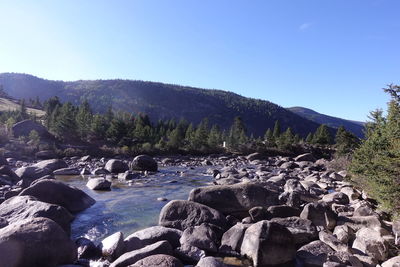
column 237, row 133
column 286, row 139
column 84, row 119
column 309, row 138
column 99, row 126
column 214, row 138
column 277, row 130
column 322, row 135
column 201, row 135
column 345, row 142
column 64, row 122
column 269, row 138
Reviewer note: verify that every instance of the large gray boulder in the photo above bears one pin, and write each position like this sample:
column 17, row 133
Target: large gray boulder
column 58, row 193
column 320, row 214
column 159, row 260
column 371, row 243
column 3, row 161
column 51, row 164
column 233, row 238
column 99, row 183
column 116, row 166
column 129, row 258
column 24, row 128
column 313, row 254
column 31, row 173
column 201, row 236
column 181, row 214
column 144, row 163
column 20, row 208
column 6, row 170
column 35, row 242
column 305, row 157
column 268, row 243
column 235, row 199
column 303, row 230
column 151, row 235
column 211, row 262
column 113, row 246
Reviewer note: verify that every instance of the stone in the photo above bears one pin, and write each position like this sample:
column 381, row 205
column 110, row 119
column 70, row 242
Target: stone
column 305, row 157
column 259, row 214
column 344, row 258
column 320, row 214
column 351, row 193
column 87, row 249
column 129, row 258
column 51, row 164
column 233, row 238
column 151, row 235
column 268, row 243
column 289, row 165
column 144, row 163
column 181, row 214
column 371, row 242
column 159, row 260
column 303, row 230
column 210, row 262
column 99, row 184
column 58, row 193
column 201, row 236
column 86, row 158
column 283, row 211
column 24, row 128
column 100, row 171
column 6, row 170
column 113, row 246
column 3, row 161
column 85, row 171
column 393, row 262
column 67, row 171
column 313, row 254
column 337, row 198
column 293, row 185
column 128, row 175
column 116, row 166
column 31, row 173
column 255, row 156
column 241, row 197
column 3, row 222
column 332, row 241
column 36, row 242
column 359, row 222
column 20, row 208
column 45, row 154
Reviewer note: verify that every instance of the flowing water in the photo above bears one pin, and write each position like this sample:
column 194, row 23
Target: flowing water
column 131, row 207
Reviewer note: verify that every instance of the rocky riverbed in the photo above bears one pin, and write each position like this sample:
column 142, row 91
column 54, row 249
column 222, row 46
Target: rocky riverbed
column 240, row 211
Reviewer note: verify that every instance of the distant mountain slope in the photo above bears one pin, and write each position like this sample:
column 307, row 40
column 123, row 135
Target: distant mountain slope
column 160, row 100
column 7, row 104
column 355, row 127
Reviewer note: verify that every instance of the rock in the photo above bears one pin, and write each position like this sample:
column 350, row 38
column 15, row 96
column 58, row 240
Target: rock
column 189, row 254
column 371, row 242
column 343, row 258
column 128, row 175
column 337, row 198
column 144, row 163
column 6, row 170
column 393, row 262
column 332, row 241
column 85, row 171
column 99, row 184
column 303, row 230
column 116, row 166
column 151, row 235
column 259, row 214
column 268, row 243
column 320, row 214
column 181, row 214
column 289, row 165
column 293, row 185
column 305, row 157
column 67, row 171
column 359, row 222
column 241, row 197
column 129, row 258
column 87, row 249
column 100, row 171
column 58, row 193
column 364, row 210
column 233, row 238
column 202, row 237
column 35, row 242
column 3, row 222
column 45, row 154
column 351, row 193
column 86, row 158
column 255, row 156
column 3, row 161
column 210, row 262
column 283, row 211
column 113, row 246
column 344, row 234
column 20, row 208
column 159, row 260
column 313, row 254
column 51, row 164
column 24, row 128
column 31, row 173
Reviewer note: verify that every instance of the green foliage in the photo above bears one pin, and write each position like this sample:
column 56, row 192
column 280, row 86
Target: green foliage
column 34, row 137
column 286, row 140
column 277, row 130
column 376, row 163
column 84, row 118
column 322, row 136
column 237, row 134
column 309, row 138
column 345, row 142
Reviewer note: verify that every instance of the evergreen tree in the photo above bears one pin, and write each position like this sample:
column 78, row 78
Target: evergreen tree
column 84, row 119
column 64, row 122
column 237, row 133
column 286, row 140
column 309, row 138
column 269, row 138
column 117, row 130
column 99, row 126
column 214, row 138
column 322, row 135
column 345, row 142
column 201, row 135
column 277, row 130
column 190, row 136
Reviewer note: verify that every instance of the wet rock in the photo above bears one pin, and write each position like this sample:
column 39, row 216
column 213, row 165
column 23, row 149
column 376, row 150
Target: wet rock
column 99, row 184
column 313, row 254
column 181, row 214
column 128, row 175
column 51, row 164
column 210, row 262
column 371, row 243
column 67, row 171
column 87, row 249
column 152, row 235
column 303, row 230
column 116, row 166
column 320, row 214
column 241, row 197
column 20, row 208
column 233, row 238
column 129, row 258
column 159, row 260
column 144, row 163
column 58, row 193
column 36, row 242
column 202, row 237
column 268, row 243
column 85, row 171
column 113, row 246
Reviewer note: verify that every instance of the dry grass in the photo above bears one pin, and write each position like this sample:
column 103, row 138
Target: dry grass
column 6, row 104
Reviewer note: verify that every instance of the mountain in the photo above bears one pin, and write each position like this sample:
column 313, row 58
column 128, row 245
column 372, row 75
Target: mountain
column 9, row 104
column 355, row 127
column 161, row 101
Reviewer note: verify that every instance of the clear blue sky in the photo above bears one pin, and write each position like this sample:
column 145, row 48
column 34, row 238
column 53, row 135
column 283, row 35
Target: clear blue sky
column 331, row 56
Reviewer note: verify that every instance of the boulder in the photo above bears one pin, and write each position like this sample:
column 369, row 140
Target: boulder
column 151, row 235
column 201, row 236
column 6, row 170
column 144, row 163
column 255, row 156
column 3, row 161
column 393, row 262
column 303, row 230
column 320, row 214
column 181, row 214
column 313, row 254
column 113, row 246
column 283, row 211
column 116, row 166
column 99, row 184
column 31, row 173
column 343, row 258
column 233, row 238
column 100, row 171
column 268, row 243
column 87, row 249
column 332, row 241
column 46, row 154
column 305, row 157
column 371, row 242
column 51, row 164
column 337, row 198
column 129, row 258
column 128, row 175
column 3, row 222
column 210, row 262
column 24, row 128
column 159, row 260
column 241, row 197
column 259, row 214
column 344, row 234
column 359, row 222
column 189, row 254
column 20, row 208
column 67, row 171
column 58, row 193
column 36, row 242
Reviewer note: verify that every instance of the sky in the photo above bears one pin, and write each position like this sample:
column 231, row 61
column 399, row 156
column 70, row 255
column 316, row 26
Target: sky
column 333, row 56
